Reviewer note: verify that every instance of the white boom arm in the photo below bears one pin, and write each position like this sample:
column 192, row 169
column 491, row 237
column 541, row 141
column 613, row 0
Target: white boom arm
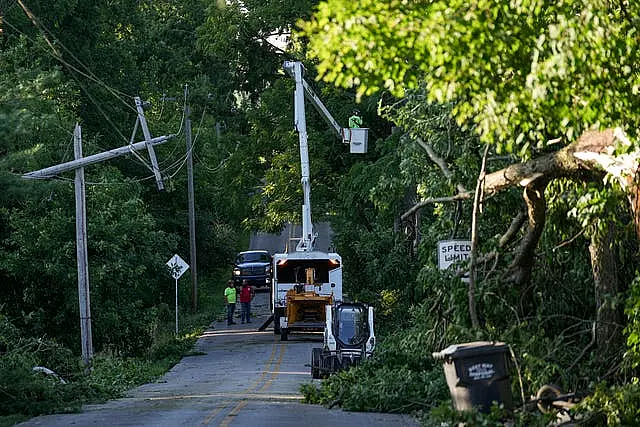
column 346, row 135
column 307, row 241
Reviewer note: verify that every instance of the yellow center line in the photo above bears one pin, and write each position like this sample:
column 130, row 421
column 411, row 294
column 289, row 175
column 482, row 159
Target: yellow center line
column 274, row 374
column 233, row 413
column 276, row 370
column 215, row 412
column 247, row 390
column 258, row 380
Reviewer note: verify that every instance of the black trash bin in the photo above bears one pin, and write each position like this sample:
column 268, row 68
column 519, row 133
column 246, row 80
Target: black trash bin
column 477, row 374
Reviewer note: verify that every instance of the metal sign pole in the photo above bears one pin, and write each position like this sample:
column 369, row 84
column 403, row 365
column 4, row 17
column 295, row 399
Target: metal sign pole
column 176, row 307
column 177, row 266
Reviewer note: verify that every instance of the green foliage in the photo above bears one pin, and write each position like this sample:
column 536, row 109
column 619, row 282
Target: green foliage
column 547, row 323
column 375, row 387
column 129, row 247
column 517, row 86
column 632, row 330
column 514, row 75
column 273, row 156
column 112, row 376
column 564, row 67
column 242, row 36
column 613, row 405
column 28, row 393
column 446, row 416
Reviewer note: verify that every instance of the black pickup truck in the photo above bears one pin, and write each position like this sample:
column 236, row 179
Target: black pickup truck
column 254, row 266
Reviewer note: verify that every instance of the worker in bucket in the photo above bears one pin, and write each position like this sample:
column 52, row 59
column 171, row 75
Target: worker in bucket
column 355, row 121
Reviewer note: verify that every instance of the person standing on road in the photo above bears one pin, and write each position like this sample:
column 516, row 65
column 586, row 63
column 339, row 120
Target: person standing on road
column 230, row 298
column 246, row 295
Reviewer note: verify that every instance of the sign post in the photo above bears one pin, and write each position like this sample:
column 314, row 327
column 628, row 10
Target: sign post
column 453, row 251
column 177, row 267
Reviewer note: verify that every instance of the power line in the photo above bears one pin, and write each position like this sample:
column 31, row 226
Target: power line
column 177, row 164
column 45, row 31
column 72, row 68
column 90, row 76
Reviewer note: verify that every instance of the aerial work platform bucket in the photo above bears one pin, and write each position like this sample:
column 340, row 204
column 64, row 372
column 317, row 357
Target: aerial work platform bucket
column 357, row 138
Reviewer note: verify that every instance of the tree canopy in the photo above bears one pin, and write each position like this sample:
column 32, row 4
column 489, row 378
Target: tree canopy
column 521, row 73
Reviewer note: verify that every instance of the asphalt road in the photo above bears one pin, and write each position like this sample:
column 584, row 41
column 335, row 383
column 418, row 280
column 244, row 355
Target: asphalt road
column 241, row 378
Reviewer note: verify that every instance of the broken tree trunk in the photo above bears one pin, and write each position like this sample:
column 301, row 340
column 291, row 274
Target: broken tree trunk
column 590, row 158
column 609, row 338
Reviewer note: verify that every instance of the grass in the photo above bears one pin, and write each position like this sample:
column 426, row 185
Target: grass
column 27, row 395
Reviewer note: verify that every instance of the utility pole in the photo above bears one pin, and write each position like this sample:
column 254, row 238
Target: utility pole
column 52, row 171
column 81, row 253
column 147, row 139
column 191, row 204
column 81, row 215
column 192, row 210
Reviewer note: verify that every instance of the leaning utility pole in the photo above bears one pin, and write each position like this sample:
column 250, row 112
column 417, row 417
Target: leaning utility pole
column 81, row 212
column 52, row 171
column 147, row 140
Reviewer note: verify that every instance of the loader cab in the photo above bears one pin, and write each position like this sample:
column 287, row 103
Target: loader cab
column 348, row 339
column 351, row 324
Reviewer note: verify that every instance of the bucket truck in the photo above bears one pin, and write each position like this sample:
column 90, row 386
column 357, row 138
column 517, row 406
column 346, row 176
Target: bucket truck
column 305, row 281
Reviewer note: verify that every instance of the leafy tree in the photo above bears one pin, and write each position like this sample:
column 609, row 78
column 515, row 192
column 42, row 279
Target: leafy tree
column 85, row 61
column 536, row 81
column 518, row 86
column 250, row 38
column 562, row 69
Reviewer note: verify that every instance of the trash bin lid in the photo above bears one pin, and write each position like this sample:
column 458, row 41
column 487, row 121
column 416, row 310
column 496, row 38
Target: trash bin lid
column 470, row 349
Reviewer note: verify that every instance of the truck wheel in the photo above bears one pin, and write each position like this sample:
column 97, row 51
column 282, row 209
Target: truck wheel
column 315, row 363
column 284, row 334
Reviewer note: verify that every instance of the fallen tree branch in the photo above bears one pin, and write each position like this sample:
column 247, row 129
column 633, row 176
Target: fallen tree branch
column 569, row 162
column 568, row 242
column 519, row 271
column 432, row 200
column 510, row 235
column 442, row 164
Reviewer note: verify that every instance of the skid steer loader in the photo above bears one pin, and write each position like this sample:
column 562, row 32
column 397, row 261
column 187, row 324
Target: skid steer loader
column 348, row 338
